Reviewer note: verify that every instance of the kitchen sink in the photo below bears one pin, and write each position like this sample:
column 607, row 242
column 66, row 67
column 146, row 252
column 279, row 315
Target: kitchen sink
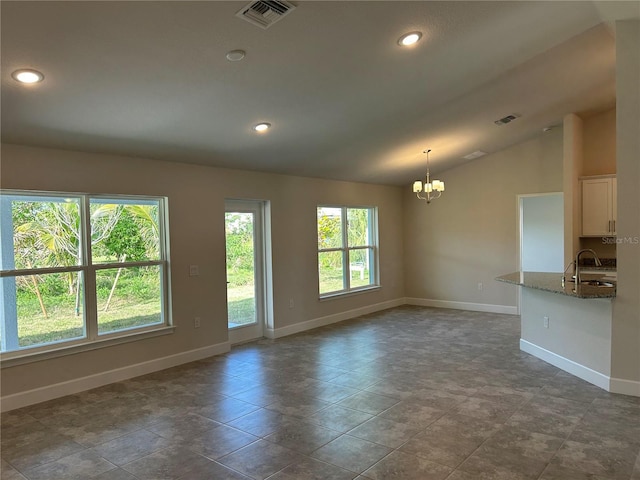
column 592, row 282
column 596, row 283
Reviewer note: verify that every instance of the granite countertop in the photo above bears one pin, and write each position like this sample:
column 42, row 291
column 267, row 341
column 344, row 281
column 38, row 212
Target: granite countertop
column 552, row 282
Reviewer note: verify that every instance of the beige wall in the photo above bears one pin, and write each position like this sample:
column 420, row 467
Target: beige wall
column 470, row 234
column 572, row 169
column 585, row 322
column 625, row 349
column 196, row 215
column 599, row 143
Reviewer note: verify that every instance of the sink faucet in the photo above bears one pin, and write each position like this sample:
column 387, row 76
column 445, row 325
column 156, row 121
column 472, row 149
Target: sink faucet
column 564, row 274
column 577, row 263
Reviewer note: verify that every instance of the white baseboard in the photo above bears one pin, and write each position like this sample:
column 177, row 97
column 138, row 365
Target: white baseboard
column 329, row 319
column 474, row 307
column 592, row 376
column 625, row 387
column 610, row 384
column 30, row 397
column 42, row 394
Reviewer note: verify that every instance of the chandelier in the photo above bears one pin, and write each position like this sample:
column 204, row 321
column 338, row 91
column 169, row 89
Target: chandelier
column 432, row 188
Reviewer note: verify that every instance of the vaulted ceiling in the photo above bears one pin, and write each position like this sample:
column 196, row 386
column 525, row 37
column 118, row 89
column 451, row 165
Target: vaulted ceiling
column 344, row 99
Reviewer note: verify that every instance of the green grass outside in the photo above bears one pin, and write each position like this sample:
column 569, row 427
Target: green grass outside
column 241, row 304
column 63, row 324
column 331, row 279
column 136, row 303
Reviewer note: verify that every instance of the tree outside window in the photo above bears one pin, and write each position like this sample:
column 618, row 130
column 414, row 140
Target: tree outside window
column 54, row 248
column 346, row 249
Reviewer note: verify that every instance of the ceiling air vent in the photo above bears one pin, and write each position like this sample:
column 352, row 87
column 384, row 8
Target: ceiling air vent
column 476, row 154
column 265, row 13
column 507, row 119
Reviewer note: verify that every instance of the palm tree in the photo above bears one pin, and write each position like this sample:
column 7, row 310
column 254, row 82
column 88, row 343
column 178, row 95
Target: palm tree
column 146, row 217
column 137, row 229
column 48, row 235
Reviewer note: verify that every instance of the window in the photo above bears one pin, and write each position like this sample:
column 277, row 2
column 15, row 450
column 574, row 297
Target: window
column 75, row 269
column 346, row 249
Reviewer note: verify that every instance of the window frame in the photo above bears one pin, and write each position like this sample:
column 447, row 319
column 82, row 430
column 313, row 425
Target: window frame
column 92, row 339
column 345, row 249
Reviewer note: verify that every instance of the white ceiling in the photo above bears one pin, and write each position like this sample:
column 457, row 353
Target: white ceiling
column 346, row 102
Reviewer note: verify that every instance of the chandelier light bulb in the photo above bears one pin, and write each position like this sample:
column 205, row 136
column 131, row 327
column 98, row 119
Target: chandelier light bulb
column 432, row 188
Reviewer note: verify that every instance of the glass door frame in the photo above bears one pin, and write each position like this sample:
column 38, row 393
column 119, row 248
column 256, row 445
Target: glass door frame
column 245, row 333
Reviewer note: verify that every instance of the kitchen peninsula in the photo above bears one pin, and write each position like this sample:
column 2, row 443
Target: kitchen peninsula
column 552, row 282
column 567, row 325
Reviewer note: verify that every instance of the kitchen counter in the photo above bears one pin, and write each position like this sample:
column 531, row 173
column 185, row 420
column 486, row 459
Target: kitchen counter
column 552, row 282
column 568, row 326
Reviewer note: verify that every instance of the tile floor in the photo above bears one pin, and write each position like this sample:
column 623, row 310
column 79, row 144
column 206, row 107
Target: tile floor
column 408, row 393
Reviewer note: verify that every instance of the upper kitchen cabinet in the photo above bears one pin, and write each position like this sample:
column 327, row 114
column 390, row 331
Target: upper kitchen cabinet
column 599, row 206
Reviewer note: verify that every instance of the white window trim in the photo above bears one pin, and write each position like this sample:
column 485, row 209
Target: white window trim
column 345, row 249
column 92, row 340
column 36, row 354
column 350, row 293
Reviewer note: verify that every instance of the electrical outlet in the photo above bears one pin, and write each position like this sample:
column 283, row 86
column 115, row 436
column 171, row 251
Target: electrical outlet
column 479, row 286
column 546, row 321
column 291, row 304
column 194, row 270
column 196, row 322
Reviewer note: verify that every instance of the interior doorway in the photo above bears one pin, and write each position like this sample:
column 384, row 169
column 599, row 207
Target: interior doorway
column 246, row 267
column 541, row 232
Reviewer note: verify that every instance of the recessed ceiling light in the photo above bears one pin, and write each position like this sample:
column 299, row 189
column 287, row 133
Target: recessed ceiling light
column 409, row 38
column 262, row 127
column 26, row 75
column 236, row 55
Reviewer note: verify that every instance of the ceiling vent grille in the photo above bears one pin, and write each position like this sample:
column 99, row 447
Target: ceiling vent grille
column 507, row 119
column 476, row 154
column 265, row 13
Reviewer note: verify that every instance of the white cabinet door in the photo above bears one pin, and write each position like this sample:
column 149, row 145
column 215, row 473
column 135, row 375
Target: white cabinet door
column 598, row 207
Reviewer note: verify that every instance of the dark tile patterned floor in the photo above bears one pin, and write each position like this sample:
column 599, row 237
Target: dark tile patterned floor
column 408, row 393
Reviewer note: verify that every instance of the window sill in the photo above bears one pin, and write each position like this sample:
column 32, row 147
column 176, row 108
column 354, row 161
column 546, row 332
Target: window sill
column 350, row 293
column 15, row 358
